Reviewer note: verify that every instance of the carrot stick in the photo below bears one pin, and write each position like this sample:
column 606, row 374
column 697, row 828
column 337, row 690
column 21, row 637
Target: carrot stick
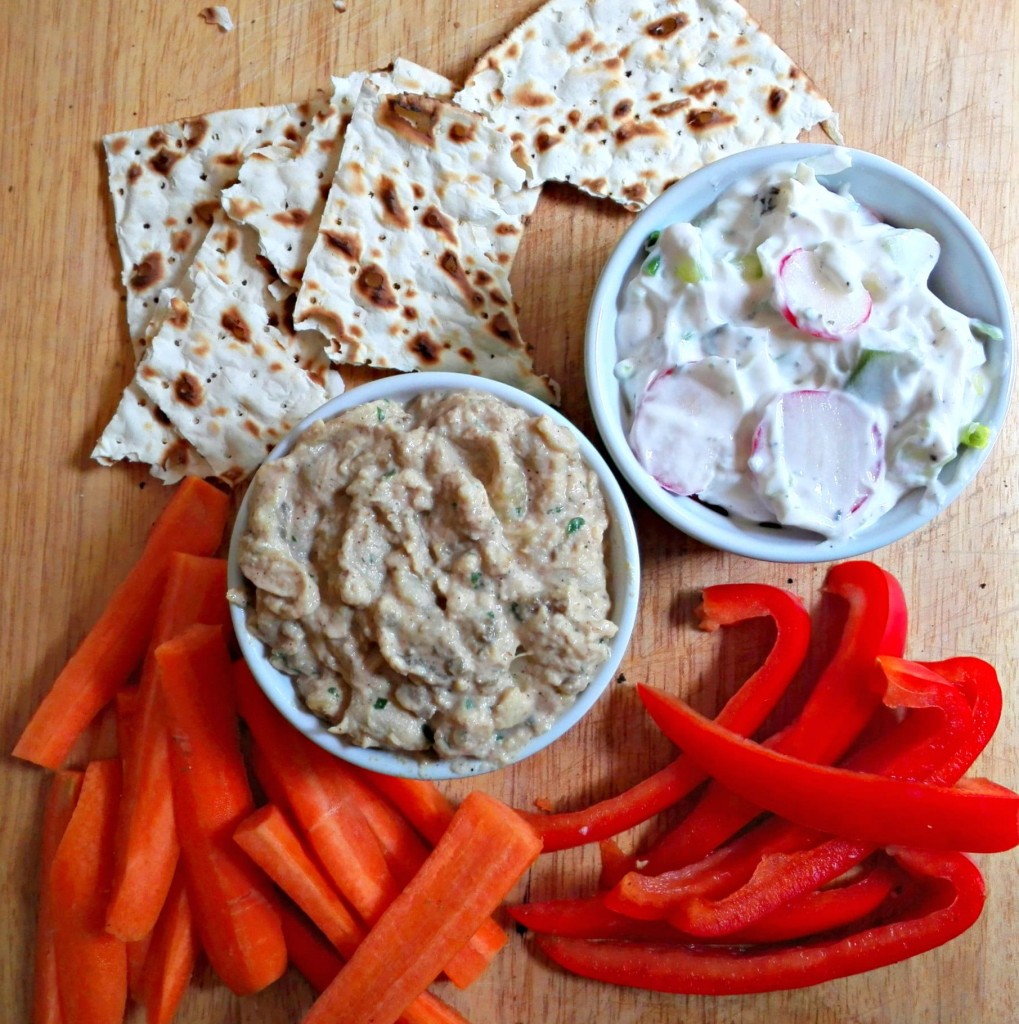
column 137, row 953
column 309, row 950
column 272, row 842
column 405, row 853
column 127, row 703
column 147, row 847
column 317, row 960
column 61, row 797
column 480, row 857
column 335, row 827
column 275, row 846
column 193, row 521
column 101, row 740
column 91, row 964
column 234, row 905
column 421, row 802
column 170, row 957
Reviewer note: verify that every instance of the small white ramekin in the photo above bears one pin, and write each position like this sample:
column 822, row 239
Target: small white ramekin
column 966, row 277
column 624, row 583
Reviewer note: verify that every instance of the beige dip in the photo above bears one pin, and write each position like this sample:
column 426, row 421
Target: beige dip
column 433, row 575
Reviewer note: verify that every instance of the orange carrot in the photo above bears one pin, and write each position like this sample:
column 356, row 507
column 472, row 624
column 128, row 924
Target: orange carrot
column 91, row 964
column 309, row 950
column 485, row 850
column 421, row 802
column 316, row 959
column 405, row 852
column 234, row 906
column 126, row 704
column 274, row 845
column 147, row 847
column 101, row 740
column 193, row 521
column 335, row 827
column 170, row 957
column 137, row 953
column 61, row 797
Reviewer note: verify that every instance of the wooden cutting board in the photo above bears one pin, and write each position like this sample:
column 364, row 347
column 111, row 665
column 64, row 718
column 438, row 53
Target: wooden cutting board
column 928, row 83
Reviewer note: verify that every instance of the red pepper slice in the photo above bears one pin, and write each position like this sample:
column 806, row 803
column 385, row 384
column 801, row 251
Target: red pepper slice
column 774, row 863
column 649, row 897
column 587, row 917
column 809, row 914
column 947, row 898
column 833, row 716
column 780, row 878
column 824, row 910
column 722, row 605
column 975, row 815
column 978, row 681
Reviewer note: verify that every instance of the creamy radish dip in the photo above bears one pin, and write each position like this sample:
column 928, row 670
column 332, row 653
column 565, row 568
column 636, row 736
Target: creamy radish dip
column 782, row 358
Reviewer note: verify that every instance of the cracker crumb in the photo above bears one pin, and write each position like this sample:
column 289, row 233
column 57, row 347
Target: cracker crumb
column 217, row 16
column 340, row 5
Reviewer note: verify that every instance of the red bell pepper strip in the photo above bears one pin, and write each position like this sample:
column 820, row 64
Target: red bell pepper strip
column 834, row 714
column 763, row 870
column 722, row 605
column 777, row 862
column 810, row 914
column 978, row 681
column 824, row 910
column 587, row 917
column 649, row 897
column 781, row 878
column 974, row 815
column 945, row 899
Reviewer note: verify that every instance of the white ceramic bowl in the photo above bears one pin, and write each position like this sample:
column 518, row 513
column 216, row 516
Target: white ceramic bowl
column 624, row 583
column 966, row 277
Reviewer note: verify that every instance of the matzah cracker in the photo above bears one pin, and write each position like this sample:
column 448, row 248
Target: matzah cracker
column 623, row 97
column 223, row 367
column 281, row 190
column 166, row 182
column 411, row 267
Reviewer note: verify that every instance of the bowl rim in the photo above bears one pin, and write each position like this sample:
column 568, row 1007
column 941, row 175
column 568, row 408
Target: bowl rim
column 696, row 193
column 624, row 563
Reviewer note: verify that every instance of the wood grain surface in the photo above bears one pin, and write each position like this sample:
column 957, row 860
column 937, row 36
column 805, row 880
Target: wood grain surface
column 929, row 83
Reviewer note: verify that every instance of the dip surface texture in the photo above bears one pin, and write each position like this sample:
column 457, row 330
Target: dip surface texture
column 432, row 575
column 783, row 358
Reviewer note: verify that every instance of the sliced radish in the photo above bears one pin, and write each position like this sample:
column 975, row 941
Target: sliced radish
column 818, row 302
column 817, row 458
column 685, row 424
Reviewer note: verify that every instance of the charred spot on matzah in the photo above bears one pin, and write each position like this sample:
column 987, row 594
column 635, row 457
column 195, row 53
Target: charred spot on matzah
column 393, row 212
column 187, row 389
column 348, row 244
column 424, row 350
column 293, row 218
column 233, row 322
column 374, row 286
column 148, row 272
column 410, row 117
